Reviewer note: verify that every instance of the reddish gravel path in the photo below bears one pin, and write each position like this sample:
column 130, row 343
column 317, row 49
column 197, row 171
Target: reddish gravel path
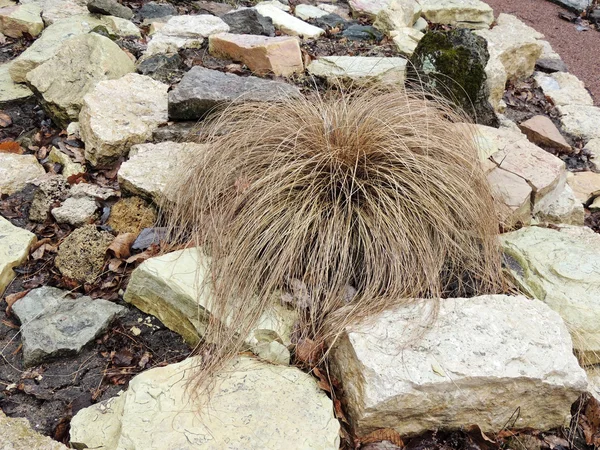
column 580, row 50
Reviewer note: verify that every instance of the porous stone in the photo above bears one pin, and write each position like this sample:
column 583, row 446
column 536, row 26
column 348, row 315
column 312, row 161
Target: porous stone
column 472, row 14
column 15, row 243
column 512, row 196
column 284, row 403
column 154, row 10
column 477, row 364
column 280, row 56
column 55, row 10
column 76, row 211
column 288, row 23
column 152, row 167
column 361, row 69
column 81, row 255
column 249, row 21
column 515, row 44
column 563, row 89
column 48, row 190
column 580, row 121
column 117, row 114
column 560, row 268
column 18, row 170
column 54, row 325
column 202, row 89
column 19, row 19
column 79, row 64
column 131, row 215
column 584, row 184
column 564, row 209
column 541, row 131
column 17, row 434
column 109, row 8
column 69, row 167
column 397, row 14
column 176, row 289
column 9, row 90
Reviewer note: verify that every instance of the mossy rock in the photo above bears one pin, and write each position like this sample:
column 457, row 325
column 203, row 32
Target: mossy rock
column 452, row 64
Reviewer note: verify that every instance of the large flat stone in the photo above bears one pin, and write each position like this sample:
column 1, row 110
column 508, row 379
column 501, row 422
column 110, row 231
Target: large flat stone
column 9, row 90
column 288, row 23
column 117, row 114
column 563, row 88
column 174, row 288
column 18, row 170
column 14, row 249
column 560, row 267
column 252, row 406
column 580, row 120
column 55, row 10
column 151, row 168
column 541, row 131
column 472, row 14
column 585, row 185
column 20, row 19
column 478, row 362
column 17, row 434
column 369, row 8
column 203, row 89
column 79, row 64
column 362, row 69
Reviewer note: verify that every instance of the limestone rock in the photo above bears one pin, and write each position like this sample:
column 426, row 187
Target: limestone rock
column 202, row 89
column 249, row 21
column 70, row 167
column 55, row 10
column 560, row 267
column 131, row 215
column 580, row 120
column 512, row 195
column 18, row 170
column 49, row 189
column 175, row 288
column 472, row 14
column 9, row 90
column 369, row 8
column 151, row 168
column 496, row 79
column 117, row 114
column 116, row 27
column 109, row 8
column 340, row 9
column 592, row 148
column 361, row 69
column 564, row 209
column 563, row 88
column 184, row 32
column 53, row 325
column 19, row 19
column 81, row 190
column 81, row 254
column 76, row 211
column 283, row 6
column 478, row 363
column 584, row 184
column 288, row 23
column 515, row 44
column 541, row 131
column 79, row 64
column 406, row 40
column 278, row 55
column 254, row 406
column 397, row 14
column 307, row 12
column 17, row 434
column 14, row 249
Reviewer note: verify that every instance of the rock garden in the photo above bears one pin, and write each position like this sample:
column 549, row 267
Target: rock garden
column 370, row 224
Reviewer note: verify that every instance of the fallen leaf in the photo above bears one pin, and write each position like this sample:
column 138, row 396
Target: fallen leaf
column 121, row 245
column 12, row 298
column 383, row 434
column 11, row 147
column 308, row 351
column 5, row 120
column 114, row 264
column 141, row 257
column 339, row 411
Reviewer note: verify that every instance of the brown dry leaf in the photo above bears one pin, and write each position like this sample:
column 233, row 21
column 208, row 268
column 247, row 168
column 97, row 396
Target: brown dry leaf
column 5, row 120
column 12, row 298
column 114, row 264
column 141, row 257
column 10, row 324
column 591, row 423
column 38, row 253
column 323, row 381
column 383, row 434
column 11, row 147
column 339, row 411
column 308, row 351
column 121, row 245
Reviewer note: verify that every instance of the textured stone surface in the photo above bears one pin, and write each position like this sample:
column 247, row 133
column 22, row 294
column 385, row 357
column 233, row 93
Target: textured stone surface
column 397, row 14
column 359, row 69
column 584, row 184
column 78, row 65
column 592, row 148
column 564, row 209
column 117, row 114
column 496, row 81
column 280, row 56
column 175, row 289
column 55, row 10
column 14, row 248
column 580, row 120
column 515, row 44
column 472, row 14
column 307, row 12
column 49, row 189
column 154, row 10
column 288, row 23
column 550, row 61
column 369, row 8
column 76, row 211
column 109, row 8
column 18, row 170
column 91, row 190
column 249, row 21
column 406, row 40
column 69, row 167
column 151, row 167
column 53, row 325
column 81, row 255
column 19, row 19
column 561, row 269
column 563, row 88
column 17, row 434
column 541, row 131
column 131, row 215
column 283, row 404
column 9, row 90
column 479, row 362
column 202, row 89
column 512, row 195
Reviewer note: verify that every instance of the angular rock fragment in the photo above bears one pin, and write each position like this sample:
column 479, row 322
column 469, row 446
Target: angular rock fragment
column 563, row 89
column 512, row 195
column 397, row 14
column 361, row 69
column 288, row 23
column 154, row 10
column 580, row 121
column 76, row 211
column 55, row 10
column 9, row 90
column 17, row 434
column 541, row 131
column 18, row 170
column 473, row 14
column 15, row 243
column 48, row 190
column 249, row 21
column 564, row 209
column 307, row 12
column 585, row 185
column 109, row 8
column 20, row 19
column 131, row 215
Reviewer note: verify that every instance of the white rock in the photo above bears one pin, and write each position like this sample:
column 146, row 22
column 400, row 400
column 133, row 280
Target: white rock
column 16, row 20
column 563, row 88
column 480, row 360
column 252, row 406
column 496, row 82
column 397, row 15
column 17, row 434
column 54, row 10
column 276, row 4
column 593, row 149
column 151, row 167
column 580, row 120
column 175, row 288
column 421, row 25
column 117, row 114
column 472, row 14
column 76, row 211
column 359, row 69
column 406, row 40
column 273, row 352
column 18, row 170
column 9, row 90
column 14, row 248
column 368, row 8
column 561, row 269
column 564, row 209
column 512, row 196
column 306, row 12
column 70, row 167
column 288, row 23
column 585, row 185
